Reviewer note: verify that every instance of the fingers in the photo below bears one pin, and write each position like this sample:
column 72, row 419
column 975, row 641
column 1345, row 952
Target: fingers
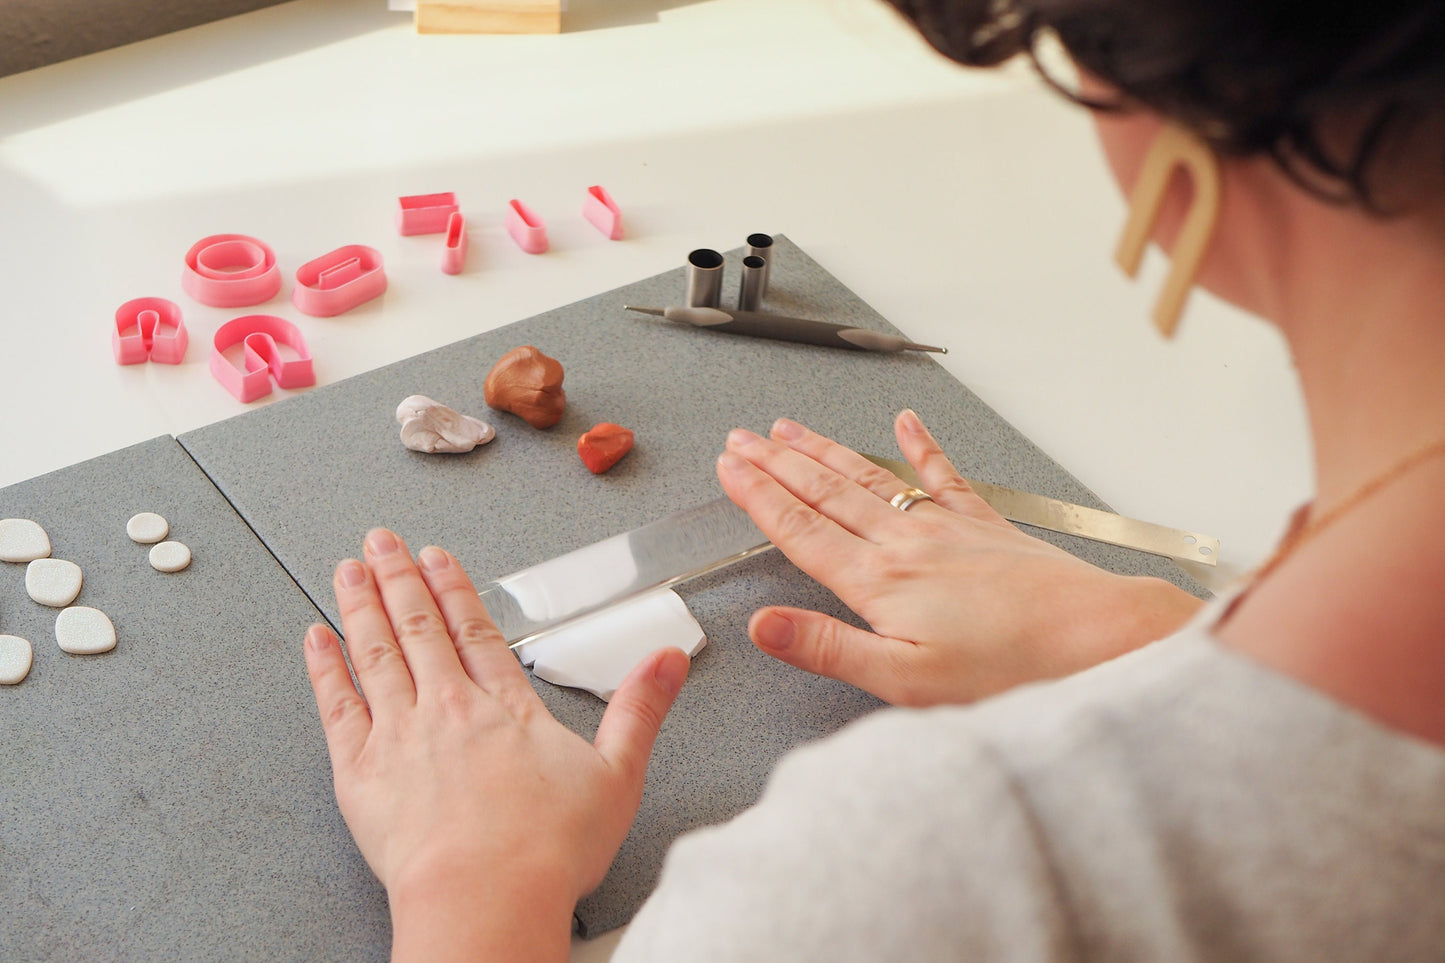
column 940, row 479
column 481, row 648
column 415, row 620
column 380, row 666
column 633, row 717
column 825, row 646
column 343, row 712
column 842, row 459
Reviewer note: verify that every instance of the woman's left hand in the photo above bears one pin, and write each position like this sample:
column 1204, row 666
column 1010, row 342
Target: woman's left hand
column 483, row 816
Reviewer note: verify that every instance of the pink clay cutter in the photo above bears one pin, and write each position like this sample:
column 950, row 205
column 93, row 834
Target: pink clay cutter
column 231, row 271
column 526, row 228
column 603, row 212
column 454, row 255
column 259, row 335
column 336, row 282
column 425, row 213
column 149, row 329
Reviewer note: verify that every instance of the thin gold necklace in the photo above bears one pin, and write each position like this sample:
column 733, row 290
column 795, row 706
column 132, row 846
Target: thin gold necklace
column 1303, row 531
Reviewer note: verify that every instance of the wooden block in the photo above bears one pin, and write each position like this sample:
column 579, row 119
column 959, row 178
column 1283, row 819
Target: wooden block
column 489, row 16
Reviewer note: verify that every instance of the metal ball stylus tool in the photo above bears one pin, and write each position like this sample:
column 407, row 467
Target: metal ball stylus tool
column 757, row 324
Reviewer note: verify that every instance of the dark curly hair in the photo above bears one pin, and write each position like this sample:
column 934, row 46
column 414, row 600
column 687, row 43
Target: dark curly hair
column 1327, row 89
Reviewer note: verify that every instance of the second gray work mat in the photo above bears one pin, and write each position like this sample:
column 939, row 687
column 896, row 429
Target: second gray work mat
column 311, row 475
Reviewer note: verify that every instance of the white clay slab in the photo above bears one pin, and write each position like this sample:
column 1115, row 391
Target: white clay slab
column 596, row 652
column 147, row 528
column 21, row 540
column 15, row 659
column 170, row 557
column 53, row 581
column 84, row 631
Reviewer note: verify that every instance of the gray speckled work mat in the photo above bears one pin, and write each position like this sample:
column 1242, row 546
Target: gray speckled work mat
column 169, row 799
column 312, row 474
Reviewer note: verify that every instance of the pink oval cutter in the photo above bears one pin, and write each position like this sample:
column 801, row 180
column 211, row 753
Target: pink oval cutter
column 149, row 329
column 231, row 271
column 338, row 281
column 259, row 334
column 526, row 228
column 602, row 212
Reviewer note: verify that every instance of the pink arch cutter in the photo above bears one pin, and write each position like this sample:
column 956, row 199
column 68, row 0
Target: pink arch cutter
column 149, row 328
column 526, row 228
column 259, row 333
column 336, row 282
column 231, row 271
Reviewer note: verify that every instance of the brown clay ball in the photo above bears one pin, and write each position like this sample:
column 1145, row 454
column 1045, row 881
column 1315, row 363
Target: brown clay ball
column 528, row 384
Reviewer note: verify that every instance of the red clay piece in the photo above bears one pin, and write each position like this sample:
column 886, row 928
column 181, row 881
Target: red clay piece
column 603, row 446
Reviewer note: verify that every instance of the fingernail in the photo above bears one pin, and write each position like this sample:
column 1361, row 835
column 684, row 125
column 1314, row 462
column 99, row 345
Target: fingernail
column 350, row 574
column 316, row 638
column 774, row 631
column 911, row 421
column 787, row 430
column 741, row 437
column 379, row 541
column 671, row 674
column 433, row 559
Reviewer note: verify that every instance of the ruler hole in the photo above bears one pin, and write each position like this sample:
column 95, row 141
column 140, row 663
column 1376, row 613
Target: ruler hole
column 1205, row 550
column 1190, row 540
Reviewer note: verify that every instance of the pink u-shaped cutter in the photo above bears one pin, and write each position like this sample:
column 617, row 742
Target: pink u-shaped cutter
column 259, row 333
column 149, row 328
column 526, row 228
column 602, row 211
column 454, row 255
column 338, row 281
column 231, row 271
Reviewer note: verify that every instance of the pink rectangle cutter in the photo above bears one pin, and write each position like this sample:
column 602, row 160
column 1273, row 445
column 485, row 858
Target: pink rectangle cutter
column 425, row 213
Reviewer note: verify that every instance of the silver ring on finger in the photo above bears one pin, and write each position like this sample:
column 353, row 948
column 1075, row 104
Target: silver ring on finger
column 906, row 499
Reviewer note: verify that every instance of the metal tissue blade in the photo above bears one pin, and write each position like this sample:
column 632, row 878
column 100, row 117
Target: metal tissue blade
column 662, row 553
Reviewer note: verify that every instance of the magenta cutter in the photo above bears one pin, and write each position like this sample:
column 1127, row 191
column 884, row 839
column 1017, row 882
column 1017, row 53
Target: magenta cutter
column 526, row 228
column 231, row 271
column 338, row 281
column 603, row 213
column 259, row 333
column 149, row 329
column 425, row 213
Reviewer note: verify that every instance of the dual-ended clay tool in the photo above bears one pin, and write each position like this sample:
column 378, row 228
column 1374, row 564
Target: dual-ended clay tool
column 755, row 324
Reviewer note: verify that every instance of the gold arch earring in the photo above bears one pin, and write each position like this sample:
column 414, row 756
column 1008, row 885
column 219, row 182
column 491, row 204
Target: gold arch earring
column 1173, row 148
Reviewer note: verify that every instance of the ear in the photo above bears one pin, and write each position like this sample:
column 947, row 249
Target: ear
column 1174, row 149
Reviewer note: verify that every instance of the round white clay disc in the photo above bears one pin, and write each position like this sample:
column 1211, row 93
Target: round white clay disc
column 15, row 658
column 84, row 631
column 147, row 528
column 21, row 540
column 170, row 557
column 52, row 581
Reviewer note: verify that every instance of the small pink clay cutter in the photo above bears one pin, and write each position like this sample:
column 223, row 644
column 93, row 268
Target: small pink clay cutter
column 425, row 213
column 149, row 329
column 231, row 271
column 603, row 212
column 526, row 228
column 259, row 333
column 454, row 255
column 336, row 282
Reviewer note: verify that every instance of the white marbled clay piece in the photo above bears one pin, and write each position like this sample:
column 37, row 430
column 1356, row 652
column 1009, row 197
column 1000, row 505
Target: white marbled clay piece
column 53, row 581
column 15, row 659
column 170, row 557
column 21, row 540
column 147, row 528
column 84, row 631
column 431, row 427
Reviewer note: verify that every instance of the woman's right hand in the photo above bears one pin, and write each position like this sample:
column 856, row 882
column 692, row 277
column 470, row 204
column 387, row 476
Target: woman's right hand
column 961, row 602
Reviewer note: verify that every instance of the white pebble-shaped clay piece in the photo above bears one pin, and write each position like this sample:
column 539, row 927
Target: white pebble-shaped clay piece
column 21, row 540
column 431, row 427
column 147, row 528
column 84, row 631
column 170, row 557
column 53, row 581
column 15, row 658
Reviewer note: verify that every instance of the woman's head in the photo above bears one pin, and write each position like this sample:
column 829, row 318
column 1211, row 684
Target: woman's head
column 1349, row 98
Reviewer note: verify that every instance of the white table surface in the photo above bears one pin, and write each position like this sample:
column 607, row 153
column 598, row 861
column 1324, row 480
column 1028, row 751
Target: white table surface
column 971, row 209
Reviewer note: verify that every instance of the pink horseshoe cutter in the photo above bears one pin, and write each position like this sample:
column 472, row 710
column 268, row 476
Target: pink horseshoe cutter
column 259, row 333
column 149, row 329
